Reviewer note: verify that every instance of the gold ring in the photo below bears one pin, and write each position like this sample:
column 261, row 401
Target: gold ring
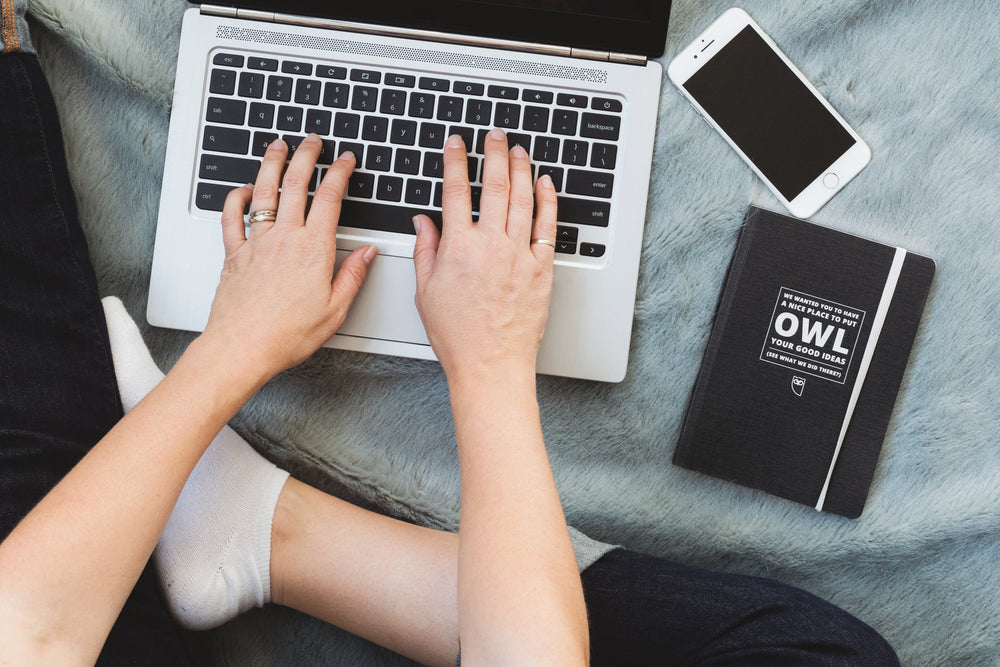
column 551, row 244
column 263, row 216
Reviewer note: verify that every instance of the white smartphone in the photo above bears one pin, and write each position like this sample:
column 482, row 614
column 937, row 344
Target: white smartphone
column 746, row 88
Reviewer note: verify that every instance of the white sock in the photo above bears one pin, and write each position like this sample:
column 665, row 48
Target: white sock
column 214, row 557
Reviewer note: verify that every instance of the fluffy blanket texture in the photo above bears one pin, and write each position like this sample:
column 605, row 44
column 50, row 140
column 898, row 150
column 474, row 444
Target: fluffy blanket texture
column 917, row 78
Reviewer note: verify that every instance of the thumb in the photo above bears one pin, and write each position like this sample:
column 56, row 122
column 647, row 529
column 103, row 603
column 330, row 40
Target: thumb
column 425, row 249
column 350, row 277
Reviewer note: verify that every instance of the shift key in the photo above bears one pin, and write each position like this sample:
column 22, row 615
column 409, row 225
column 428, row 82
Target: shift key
column 589, row 183
column 229, row 169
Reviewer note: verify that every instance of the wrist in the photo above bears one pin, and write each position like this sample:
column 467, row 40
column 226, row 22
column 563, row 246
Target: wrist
column 492, row 386
column 224, row 364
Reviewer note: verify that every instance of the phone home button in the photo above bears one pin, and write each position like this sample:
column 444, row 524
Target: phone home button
column 831, row 180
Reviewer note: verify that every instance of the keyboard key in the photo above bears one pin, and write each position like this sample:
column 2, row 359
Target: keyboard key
column 450, row 108
column 564, row 122
column 294, row 67
column 329, row 152
column 537, row 96
column 590, row 183
column 279, row 88
column 211, row 196
column 223, row 82
column 575, row 153
column 407, row 162
column 307, row 91
column 536, row 119
column 293, row 142
column 261, row 115
column 228, row 59
column 476, row 193
column 390, row 188
column 502, row 92
column 222, row 110
column 226, row 140
column 468, row 88
column 565, row 247
column 555, row 173
column 478, row 112
column 546, row 149
column 465, row 133
column 592, row 249
column 571, row 100
column 518, row 139
column 480, row 142
column 440, row 85
column 357, row 149
column 346, row 125
column 433, row 166
column 366, row 76
column 290, row 119
column 584, row 211
column 360, row 185
column 318, row 121
column 375, row 128
column 261, row 140
column 266, row 64
column 473, row 168
column 403, row 132
column 402, row 80
column 418, row 192
column 603, row 156
column 605, row 104
column 365, row 98
column 421, row 105
column 251, row 85
column 385, row 217
column 331, row 72
column 394, row 102
column 508, row 116
column 379, row 158
column 229, row 169
column 432, row 135
column 335, row 95
column 567, row 234
column 600, row 126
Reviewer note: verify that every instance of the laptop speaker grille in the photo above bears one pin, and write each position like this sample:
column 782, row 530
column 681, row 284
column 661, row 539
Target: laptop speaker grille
column 589, row 74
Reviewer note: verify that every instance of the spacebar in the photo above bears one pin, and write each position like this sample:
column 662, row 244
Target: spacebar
column 382, row 217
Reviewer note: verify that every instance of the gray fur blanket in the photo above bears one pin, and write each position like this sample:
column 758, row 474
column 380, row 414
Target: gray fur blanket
column 919, row 81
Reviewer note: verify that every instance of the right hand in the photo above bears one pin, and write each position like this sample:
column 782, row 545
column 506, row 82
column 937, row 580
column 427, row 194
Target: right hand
column 483, row 288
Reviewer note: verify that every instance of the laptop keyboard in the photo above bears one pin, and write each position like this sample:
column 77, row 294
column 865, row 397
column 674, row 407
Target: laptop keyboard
column 396, row 124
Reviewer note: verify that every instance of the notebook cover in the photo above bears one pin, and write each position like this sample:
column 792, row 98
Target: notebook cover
column 805, row 358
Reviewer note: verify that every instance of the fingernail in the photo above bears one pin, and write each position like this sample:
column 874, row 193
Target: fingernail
column 546, row 181
column 416, row 224
column 497, row 135
column 370, row 254
column 347, row 155
column 312, row 137
column 518, row 151
column 278, row 144
column 455, row 141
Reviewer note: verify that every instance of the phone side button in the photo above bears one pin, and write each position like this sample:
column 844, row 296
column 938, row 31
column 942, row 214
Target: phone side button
column 831, row 180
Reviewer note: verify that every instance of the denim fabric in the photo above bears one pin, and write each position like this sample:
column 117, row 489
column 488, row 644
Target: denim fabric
column 648, row 611
column 58, row 393
column 13, row 29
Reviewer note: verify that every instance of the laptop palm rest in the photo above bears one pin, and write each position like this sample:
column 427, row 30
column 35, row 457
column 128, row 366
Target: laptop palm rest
column 384, row 308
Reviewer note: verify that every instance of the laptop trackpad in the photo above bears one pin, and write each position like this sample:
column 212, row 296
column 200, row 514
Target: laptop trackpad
column 384, row 308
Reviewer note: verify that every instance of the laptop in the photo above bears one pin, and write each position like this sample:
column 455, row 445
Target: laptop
column 572, row 81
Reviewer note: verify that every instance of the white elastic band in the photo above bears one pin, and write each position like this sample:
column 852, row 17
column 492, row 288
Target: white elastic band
column 866, row 359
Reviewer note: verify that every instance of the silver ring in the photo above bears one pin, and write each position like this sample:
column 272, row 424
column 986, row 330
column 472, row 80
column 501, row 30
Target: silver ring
column 263, row 216
column 551, row 244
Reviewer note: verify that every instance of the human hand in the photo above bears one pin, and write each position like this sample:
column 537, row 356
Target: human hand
column 483, row 288
column 278, row 299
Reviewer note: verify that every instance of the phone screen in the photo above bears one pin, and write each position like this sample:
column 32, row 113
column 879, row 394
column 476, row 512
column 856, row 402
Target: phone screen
column 767, row 111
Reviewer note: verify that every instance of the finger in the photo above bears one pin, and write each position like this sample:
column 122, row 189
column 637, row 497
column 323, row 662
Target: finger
column 496, row 182
column 545, row 219
column 265, row 190
column 349, row 279
column 456, row 208
column 295, row 184
column 325, row 211
column 425, row 249
column 521, row 197
column 233, row 235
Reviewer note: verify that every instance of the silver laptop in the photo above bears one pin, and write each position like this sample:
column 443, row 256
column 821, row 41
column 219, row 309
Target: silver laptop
column 570, row 80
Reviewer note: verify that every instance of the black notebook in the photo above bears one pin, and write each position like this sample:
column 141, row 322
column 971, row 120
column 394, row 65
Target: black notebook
column 806, row 355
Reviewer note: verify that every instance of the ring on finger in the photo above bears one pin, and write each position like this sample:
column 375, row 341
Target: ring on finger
column 263, row 216
column 551, row 244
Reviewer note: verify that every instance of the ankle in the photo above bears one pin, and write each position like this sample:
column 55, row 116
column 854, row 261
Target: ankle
column 286, row 531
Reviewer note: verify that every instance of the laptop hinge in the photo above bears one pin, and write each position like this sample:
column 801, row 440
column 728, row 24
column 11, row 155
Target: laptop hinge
column 470, row 40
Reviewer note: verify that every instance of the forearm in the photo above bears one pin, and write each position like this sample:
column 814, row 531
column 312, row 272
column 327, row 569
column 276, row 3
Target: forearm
column 67, row 569
column 520, row 598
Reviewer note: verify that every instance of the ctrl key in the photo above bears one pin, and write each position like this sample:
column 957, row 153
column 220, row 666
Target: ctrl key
column 211, row 196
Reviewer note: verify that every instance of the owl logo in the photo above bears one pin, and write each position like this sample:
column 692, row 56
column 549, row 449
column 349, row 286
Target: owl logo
column 798, row 384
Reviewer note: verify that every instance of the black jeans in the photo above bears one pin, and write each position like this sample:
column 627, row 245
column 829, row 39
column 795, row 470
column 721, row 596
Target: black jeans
column 58, row 397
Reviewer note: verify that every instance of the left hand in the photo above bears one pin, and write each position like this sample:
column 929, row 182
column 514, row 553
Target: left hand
column 278, row 299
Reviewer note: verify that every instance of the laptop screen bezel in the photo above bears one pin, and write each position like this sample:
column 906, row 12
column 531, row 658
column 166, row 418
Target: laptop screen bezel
column 489, row 19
